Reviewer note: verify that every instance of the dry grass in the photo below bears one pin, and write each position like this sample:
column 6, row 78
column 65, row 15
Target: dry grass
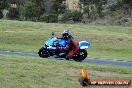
column 20, row 72
column 107, row 42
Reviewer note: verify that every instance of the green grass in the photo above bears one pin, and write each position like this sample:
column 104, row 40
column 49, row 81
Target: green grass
column 25, row 72
column 107, row 42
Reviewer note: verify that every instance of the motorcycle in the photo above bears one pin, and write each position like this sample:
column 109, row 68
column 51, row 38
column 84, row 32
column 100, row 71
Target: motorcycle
column 50, row 48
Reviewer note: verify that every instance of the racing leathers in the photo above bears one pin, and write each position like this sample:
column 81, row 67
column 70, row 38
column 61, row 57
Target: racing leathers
column 72, row 47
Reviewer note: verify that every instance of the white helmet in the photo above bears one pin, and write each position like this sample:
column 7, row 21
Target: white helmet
column 66, row 33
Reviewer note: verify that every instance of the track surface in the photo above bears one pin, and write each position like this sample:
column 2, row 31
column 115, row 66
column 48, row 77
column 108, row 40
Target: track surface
column 88, row 60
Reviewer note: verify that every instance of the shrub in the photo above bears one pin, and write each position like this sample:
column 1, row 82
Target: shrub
column 21, row 13
column 1, row 14
column 31, row 12
column 44, row 18
column 13, row 13
column 75, row 16
column 52, row 18
column 67, row 16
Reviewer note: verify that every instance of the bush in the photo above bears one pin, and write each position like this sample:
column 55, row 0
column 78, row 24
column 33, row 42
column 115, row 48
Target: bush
column 21, row 13
column 75, row 16
column 1, row 14
column 44, row 18
column 13, row 13
column 114, row 13
column 31, row 11
column 67, row 16
column 53, row 18
column 49, row 18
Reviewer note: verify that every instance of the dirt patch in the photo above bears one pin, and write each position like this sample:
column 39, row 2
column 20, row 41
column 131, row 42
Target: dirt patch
column 76, row 71
column 96, row 73
column 26, row 30
column 107, row 74
column 13, row 61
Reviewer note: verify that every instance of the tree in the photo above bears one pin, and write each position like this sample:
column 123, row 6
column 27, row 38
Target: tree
column 13, row 13
column 4, row 4
column 77, row 16
column 31, row 11
column 92, row 7
column 128, row 2
column 61, row 6
column 14, row 9
column 99, row 5
column 39, row 7
column 1, row 14
column 86, row 4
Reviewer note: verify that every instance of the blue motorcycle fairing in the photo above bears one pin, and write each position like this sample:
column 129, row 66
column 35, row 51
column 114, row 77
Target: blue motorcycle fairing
column 52, row 44
column 62, row 42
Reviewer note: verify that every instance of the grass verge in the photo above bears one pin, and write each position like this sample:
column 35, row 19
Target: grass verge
column 25, row 72
column 107, row 42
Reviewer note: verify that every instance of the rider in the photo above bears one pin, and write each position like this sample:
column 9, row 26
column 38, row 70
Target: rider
column 72, row 46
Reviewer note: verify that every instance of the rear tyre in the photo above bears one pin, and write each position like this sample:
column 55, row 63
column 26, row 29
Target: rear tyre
column 42, row 53
column 81, row 55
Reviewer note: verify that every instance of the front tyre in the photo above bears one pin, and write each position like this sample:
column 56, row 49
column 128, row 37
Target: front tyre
column 42, row 53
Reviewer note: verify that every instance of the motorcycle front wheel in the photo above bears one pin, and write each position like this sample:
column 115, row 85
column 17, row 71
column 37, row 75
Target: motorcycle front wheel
column 42, row 53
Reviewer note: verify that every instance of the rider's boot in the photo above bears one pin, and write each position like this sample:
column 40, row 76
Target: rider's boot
column 68, row 58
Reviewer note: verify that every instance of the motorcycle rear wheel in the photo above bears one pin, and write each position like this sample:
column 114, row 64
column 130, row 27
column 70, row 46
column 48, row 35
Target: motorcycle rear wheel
column 81, row 55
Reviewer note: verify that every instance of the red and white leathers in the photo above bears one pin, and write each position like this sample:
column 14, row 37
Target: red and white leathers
column 72, row 47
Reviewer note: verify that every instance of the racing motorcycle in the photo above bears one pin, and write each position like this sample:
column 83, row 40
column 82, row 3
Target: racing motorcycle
column 50, row 48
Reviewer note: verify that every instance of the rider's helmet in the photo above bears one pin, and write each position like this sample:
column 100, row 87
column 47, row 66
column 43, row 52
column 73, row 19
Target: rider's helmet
column 66, row 33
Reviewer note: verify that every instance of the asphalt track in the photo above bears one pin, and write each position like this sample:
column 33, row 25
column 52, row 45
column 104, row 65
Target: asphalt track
column 88, row 60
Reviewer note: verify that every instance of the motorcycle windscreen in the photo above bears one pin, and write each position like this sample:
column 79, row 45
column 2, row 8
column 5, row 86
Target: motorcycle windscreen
column 49, row 42
column 84, row 44
column 62, row 43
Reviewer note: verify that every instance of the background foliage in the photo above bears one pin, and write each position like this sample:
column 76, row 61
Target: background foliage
column 90, row 11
